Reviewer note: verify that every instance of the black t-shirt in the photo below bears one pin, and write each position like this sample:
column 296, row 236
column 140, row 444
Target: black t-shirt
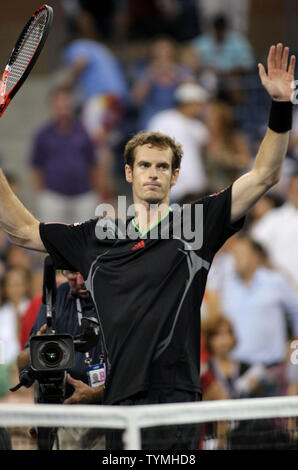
column 147, row 291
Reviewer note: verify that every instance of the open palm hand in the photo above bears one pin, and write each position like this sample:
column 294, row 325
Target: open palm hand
column 278, row 80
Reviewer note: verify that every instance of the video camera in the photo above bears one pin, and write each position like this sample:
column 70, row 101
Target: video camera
column 52, row 355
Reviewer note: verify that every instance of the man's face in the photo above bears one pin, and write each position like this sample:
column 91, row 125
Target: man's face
column 246, row 259
column 77, row 283
column 163, row 51
column 193, row 109
column 62, row 108
column 151, row 175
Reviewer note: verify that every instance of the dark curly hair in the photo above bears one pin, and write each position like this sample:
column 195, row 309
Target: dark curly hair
column 154, row 139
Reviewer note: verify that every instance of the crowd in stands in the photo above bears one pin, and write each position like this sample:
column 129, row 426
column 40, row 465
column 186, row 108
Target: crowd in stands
column 195, row 79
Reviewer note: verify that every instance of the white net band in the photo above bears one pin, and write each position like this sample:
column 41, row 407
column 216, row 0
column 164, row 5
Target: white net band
column 132, row 419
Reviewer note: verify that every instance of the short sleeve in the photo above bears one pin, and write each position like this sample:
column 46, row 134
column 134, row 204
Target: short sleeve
column 217, row 226
column 68, row 244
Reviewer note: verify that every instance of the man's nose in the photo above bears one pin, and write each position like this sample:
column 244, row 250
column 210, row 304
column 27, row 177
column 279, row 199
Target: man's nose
column 153, row 172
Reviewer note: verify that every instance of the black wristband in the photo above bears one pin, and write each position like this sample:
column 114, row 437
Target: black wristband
column 280, row 119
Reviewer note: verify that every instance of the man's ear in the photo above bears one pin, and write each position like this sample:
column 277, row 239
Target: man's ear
column 128, row 173
column 175, row 176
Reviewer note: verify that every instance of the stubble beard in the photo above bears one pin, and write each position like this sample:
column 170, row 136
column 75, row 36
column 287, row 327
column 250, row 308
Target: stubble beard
column 153, row 201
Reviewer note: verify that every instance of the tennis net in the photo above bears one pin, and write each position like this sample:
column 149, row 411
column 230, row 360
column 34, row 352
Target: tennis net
column 244, row 424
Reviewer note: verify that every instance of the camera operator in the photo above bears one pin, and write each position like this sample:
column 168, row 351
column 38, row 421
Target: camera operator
column 73, row 302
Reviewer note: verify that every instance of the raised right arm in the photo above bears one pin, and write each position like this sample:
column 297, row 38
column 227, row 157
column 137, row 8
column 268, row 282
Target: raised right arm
column 16, row 221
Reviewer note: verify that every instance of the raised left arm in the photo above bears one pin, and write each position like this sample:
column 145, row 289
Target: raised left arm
column 268, row 164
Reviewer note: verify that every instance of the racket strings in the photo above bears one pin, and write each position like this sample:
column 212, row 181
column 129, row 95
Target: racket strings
column 25, row 49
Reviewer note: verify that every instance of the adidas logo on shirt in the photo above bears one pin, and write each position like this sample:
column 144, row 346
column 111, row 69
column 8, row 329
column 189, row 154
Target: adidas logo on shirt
column 139, row 245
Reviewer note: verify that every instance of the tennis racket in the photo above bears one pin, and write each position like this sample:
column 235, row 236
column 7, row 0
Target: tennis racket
column 24, row 54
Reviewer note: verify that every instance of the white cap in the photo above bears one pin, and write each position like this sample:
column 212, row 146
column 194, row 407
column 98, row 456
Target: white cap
column 191, row 92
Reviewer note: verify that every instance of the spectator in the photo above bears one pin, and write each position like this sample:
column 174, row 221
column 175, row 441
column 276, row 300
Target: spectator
column 102, row 117
column 154, row 91
column 15, row 285
column 256, row 300
column 222, row 268
column 17, row 256
column 262, row 207
column 16, row 295
column 89, row 66
column 211, row 388
column 237, row 12
column 31, row 261
column 182, row 123
column 204, row 77
column 223, row 50
column 64, row 165
column 238, row 379
column 280, row 243
column 227, row 153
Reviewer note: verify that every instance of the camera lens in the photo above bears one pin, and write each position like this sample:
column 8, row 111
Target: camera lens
column 51, row 354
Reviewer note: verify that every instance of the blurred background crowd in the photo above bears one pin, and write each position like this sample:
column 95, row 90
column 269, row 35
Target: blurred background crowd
column 186, row 68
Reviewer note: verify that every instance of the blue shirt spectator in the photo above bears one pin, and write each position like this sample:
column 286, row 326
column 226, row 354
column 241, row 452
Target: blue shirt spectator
column 257, row 300
column 154, row 90
column 224, row 50
column 100, row 72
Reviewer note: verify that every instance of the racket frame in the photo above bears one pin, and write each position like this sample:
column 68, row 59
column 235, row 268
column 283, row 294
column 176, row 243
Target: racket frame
column 6, row 98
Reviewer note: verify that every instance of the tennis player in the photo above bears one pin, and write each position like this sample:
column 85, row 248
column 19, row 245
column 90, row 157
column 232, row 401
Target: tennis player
column 147, row 287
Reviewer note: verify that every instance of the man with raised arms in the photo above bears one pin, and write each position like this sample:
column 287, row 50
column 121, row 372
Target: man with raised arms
column 148, row 288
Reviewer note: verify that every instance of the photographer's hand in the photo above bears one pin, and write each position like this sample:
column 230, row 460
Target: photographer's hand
column 42, row 330
column 83, row 393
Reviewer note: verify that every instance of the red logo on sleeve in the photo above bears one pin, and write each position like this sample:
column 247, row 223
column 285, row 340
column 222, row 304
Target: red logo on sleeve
column 216, row 194
column 139, row 245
